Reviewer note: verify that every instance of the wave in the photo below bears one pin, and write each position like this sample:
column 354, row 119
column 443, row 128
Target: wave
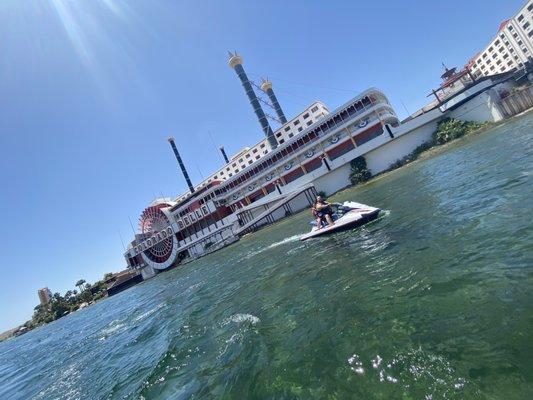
column 240, row 318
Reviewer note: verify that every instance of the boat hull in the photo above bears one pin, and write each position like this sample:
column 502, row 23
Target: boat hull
column 341, row 226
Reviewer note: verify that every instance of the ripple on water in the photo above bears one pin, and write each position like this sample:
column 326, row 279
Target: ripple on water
column 424, row 374
column 240, row 318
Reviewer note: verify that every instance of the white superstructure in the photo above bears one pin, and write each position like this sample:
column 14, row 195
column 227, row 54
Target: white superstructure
column 249, row 155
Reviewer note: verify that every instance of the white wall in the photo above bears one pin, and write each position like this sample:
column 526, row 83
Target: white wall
column 481, row 108
column 380, row 159
column 147, row 272
column 334, row 180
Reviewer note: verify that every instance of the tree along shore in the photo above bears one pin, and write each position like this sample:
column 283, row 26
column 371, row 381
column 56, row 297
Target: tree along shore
column 61, row 305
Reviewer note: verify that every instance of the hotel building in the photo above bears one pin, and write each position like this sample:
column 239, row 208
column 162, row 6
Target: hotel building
column 45, row 295
column 510, row 49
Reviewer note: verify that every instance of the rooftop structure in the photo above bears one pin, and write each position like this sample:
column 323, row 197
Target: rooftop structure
column 452, row 82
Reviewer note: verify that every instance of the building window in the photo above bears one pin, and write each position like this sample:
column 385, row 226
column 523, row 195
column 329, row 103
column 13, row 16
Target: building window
column 262, row 145
column 234, row 165
column 291, row 135
column 230, row 175
column 300, row 129
column 505, row 56
column 240, row 160
column 497, row 42
column 287, row 128
column 282, row 141
column 247, row 155
column 530, row 7
column 510, row 28
column 266, row 151
column 221, row 172
column 314, row 109
column 297, row 122
column 306, row 115
column 249, row 162
column 215, row 177
column 491, row 49
column 254, row 151
column 309, row 123
column 520, row 18
column 278, row 134
column 257, row 157
column 526, row 25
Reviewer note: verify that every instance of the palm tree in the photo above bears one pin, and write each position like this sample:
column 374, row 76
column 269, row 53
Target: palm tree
column 79, row 284
column 108, row 275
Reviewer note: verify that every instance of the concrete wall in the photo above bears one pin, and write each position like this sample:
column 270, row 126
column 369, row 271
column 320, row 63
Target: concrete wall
column 482, row 108
column 334, row 180
column 380, row 159
column 147, row 272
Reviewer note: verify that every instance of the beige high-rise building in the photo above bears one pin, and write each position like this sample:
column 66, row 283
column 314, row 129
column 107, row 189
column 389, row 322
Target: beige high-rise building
column 45, row 295
column 511, row 48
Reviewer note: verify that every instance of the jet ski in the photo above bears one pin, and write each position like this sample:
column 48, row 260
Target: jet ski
column 347, row 215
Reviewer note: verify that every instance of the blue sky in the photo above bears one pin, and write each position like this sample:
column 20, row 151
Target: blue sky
column 90, row 89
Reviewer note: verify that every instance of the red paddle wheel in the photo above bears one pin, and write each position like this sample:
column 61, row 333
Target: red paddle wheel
column 152, row 222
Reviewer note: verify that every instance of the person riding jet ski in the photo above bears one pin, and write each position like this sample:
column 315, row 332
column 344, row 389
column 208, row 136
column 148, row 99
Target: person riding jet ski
column 322, row 210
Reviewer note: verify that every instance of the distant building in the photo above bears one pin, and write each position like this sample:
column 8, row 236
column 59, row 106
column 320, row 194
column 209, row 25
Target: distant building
column 45, row 295
column 511, row 48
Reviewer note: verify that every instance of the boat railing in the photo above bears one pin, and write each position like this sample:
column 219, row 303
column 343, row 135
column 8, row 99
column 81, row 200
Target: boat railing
column 277, row 164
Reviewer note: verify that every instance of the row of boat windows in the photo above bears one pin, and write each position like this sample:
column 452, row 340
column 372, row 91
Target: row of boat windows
column 325, row 127
column 256, row 153
column 260, row 150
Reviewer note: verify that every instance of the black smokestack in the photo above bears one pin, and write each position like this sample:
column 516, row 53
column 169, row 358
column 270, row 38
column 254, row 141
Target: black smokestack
column 226, row 159
column 180, row 162
column 235, row 62
column 266, row 87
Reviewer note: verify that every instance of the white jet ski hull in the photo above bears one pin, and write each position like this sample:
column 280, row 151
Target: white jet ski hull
column 360, row 215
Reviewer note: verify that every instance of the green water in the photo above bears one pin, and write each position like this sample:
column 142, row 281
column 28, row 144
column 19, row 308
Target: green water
column 432, row 301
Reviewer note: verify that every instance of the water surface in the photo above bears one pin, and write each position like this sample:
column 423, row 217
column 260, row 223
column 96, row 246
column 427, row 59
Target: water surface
column 432, row 301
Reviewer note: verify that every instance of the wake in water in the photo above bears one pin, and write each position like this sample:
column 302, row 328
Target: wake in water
column 290, row 239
